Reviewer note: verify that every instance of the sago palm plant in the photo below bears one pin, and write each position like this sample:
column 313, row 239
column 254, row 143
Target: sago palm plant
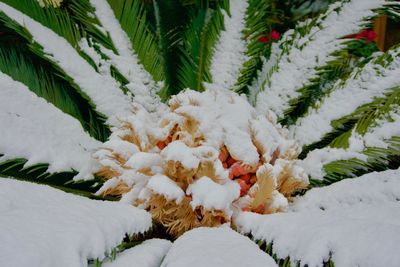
column 202, row 113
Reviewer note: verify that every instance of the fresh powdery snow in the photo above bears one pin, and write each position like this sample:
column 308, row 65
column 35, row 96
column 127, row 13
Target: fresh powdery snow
column 163, row 185
column 150, row 253
column 376, row 136
column 211, row 195
column 214, row 247
column 229, row 52
column 356, row 221
column 36, row 130
column 296, row 68
column 315, row 161
column 102, row 90
column 42, row 226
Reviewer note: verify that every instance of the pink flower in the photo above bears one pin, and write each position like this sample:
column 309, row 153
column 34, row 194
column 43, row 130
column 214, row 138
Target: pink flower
column 263, row 39
column 275, row 35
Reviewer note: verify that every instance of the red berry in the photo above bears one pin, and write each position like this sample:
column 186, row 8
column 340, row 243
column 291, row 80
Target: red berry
column 263, row 39
column 230, row 161
column 236, row 170
column 245, row 177
column 161, row 145
column 275, row 35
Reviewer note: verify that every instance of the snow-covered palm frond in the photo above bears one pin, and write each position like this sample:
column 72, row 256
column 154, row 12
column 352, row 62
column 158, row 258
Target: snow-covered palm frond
column 47, row 227
column 325, row 224
column 354, row 153
column 372, row 81
column 84, row 64
column 296, row 61
column 35, row 130
column 237, row 54
column 103, row 91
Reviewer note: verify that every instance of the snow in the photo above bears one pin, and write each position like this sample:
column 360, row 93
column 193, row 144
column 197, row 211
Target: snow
column 124, row 148
column 102, row 90
column 36, row 130
column 211, row 195
column 316, row 159
column 42, row 226
column 376, row 136
column 275, row 139
column 164, row 186
column 373, row 188
column 296, row 68
column 355, row 220
column 178, row 151
column 150, row 253
column 229, row 53
column 142, row 160
column 215, row 247
column 373, row 81
column 223, row 119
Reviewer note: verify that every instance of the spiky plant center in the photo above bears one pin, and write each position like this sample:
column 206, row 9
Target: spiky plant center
column 208, row 157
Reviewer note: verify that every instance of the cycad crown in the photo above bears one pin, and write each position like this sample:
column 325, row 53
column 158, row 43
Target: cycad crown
column 84, row 87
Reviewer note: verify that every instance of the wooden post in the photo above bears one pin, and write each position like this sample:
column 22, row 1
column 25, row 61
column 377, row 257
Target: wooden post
column 380, row 29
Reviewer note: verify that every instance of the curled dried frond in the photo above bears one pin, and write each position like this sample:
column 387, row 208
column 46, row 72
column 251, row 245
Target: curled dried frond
column 265, row 186
column 181, row 217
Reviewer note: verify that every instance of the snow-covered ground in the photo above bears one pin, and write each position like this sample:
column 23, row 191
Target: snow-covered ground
column 42, row 226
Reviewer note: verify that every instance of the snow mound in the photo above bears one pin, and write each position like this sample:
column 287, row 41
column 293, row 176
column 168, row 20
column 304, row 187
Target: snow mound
column 42, row 226
column 214, row 247
column 148, row 254
column 355, row 221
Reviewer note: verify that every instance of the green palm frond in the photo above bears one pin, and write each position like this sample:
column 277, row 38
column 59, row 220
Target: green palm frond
column 199, row 40
column 170, row 19
column 57, row 19
column 82, row 14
